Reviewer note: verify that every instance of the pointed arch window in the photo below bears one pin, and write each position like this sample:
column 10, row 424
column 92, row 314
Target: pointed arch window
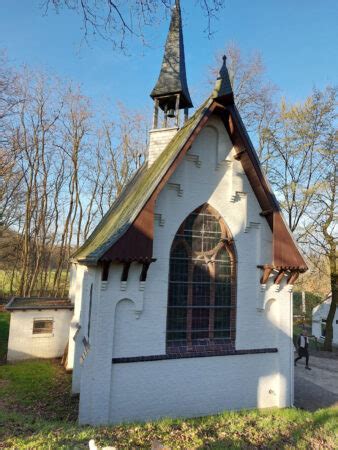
column 202, row 281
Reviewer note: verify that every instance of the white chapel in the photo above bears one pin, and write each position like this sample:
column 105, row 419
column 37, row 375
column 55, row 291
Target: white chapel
column 183, row 293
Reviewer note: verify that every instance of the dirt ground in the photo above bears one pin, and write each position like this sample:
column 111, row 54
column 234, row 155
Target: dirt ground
column 317, row 388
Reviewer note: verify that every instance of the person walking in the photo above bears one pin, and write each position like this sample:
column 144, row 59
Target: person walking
column 303, row 348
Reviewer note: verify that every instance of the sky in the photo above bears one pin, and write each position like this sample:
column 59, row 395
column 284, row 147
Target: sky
column 298, row 41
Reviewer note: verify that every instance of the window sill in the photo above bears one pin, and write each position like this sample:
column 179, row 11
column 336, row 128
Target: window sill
column 199, row 346
column 42, row 335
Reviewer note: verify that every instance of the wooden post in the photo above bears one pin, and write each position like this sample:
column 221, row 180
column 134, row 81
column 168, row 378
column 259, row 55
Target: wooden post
column 165, row 121
column 186, row 114
column 155, row 116
column 177, row 109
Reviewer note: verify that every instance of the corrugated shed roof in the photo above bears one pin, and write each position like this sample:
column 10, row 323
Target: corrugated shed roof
column 19, row 303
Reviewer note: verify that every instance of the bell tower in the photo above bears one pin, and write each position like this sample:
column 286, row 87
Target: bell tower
column 171, row 93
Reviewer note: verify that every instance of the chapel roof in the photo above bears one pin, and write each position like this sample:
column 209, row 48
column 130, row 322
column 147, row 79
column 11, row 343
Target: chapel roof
column 25, row 303
column 131, row 200
column 126, row 232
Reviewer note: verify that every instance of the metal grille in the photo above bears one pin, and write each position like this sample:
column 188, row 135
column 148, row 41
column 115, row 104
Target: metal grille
column 200, row 283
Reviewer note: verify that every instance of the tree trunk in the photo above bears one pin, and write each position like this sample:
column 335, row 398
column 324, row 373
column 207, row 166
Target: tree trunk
column 333, row 307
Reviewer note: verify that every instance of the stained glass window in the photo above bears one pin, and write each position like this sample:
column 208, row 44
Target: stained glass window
column 201, row 283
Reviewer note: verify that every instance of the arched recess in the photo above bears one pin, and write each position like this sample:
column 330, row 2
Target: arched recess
column 210, row 135
column 124, row 341
column 201, row 313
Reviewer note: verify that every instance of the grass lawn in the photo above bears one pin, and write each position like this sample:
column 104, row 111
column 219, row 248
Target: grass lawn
column 36, row 411
column 4, row 330
column 5, row 283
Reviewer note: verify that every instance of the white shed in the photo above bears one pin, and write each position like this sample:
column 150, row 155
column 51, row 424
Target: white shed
column 319, row 317
column 39, row 327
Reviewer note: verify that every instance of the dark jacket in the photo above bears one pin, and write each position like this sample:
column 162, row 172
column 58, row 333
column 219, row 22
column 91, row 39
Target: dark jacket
column 302, row 344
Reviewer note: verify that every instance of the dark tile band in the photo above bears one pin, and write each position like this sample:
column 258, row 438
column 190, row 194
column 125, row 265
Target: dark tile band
column 134, row 359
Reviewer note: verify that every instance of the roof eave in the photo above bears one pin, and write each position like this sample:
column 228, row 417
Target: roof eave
column 37, row 308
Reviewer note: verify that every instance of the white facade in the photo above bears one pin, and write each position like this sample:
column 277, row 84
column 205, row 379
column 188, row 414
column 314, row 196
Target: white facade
column 129, row 319
column 23, row 344
column 319, row 316
column 158, row 140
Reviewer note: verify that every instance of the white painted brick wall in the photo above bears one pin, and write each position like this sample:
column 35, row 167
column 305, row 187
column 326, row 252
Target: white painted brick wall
column 132, row 322
column 75, row 293
column 79, row 324
column 158, row 140
column 23, row 344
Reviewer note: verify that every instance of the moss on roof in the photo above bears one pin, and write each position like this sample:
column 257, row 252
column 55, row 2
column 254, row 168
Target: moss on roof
column 128, row 205
column 39, row 303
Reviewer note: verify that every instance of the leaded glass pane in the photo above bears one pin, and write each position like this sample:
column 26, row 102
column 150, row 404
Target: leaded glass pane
column 179, row 264
column 177, row 319
column 200, row 283
column 223, row 294
column 200, row 323
column 178, row 294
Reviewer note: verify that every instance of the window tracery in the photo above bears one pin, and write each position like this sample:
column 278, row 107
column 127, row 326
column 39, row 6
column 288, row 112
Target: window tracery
column 202, row 283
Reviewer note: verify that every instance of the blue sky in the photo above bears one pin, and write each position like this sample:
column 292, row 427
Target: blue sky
column 297, row 39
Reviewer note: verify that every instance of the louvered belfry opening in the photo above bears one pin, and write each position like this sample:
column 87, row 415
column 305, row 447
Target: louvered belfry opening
column 202, row 285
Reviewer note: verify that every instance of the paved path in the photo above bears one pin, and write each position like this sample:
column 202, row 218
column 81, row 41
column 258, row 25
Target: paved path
column 316, row 388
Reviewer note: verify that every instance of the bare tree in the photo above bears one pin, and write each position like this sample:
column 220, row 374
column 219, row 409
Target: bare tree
column 60, row 171
column 125, row 146
column 117, row 21
column 75, row 127
column 33, row 134
column 303, row 173
column 322, row 226
column 296, row 139
column 9, row 177
column 9, row 95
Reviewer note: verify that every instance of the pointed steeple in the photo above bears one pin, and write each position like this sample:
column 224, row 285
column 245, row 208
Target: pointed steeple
column 223, row 88
column 171, row 89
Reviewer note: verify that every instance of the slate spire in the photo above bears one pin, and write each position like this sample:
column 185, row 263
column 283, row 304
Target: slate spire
column 223, row 88
column 171, row 89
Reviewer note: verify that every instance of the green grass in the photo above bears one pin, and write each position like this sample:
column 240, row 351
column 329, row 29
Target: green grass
column 36, row 411
column 39, row 387
column 4, row 331
column 5, row 284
